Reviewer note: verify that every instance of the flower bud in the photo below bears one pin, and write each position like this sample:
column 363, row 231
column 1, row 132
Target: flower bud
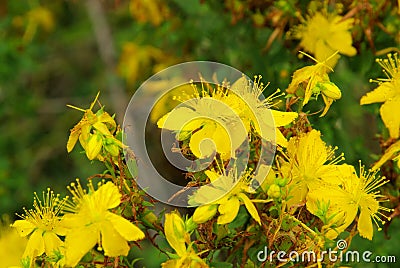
column 93, row 146
column 111, row 146
column 150, row 217
column 281, row 182
column 330, row 90
column 274, row 191
column 174, row 229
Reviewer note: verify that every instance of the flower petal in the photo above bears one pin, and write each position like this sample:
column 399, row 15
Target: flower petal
column 340, row 38
column 280, row 139
column 389, row 113
column 201, row 143
column 389, row 154
column 78, row 242
column 112, row 242
column 209, row 193
column 250, row 207
column 107, row 196
column 380, row 94
column 23, row 227
column 51, row 242
column 35, row 245
column 102, row 128
column 177, row 118
column 223, row 142
column 283, row 118
column 328, row 102
column 364, row 225
column 93, row 146
column 323, row 52
column 312, row 150
column 228, row 210
column 125, row 228
column 73, row 138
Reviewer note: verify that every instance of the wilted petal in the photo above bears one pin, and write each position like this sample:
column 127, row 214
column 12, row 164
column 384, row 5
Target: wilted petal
column 102, row 128
column 72, row 139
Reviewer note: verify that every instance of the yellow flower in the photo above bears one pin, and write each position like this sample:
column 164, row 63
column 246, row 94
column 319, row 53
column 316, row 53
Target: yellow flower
column 393, row 152
column 351, row 194
column 316, row 81
column 309, row 164
column 11, row 243
column 251, row 108
column 171, row 99
column 225, row 195
column 155, row 11
column 91, row 222
column 178, row 237
column 388, row 92
column 209, row 121
column 95, row 132
column 43, row 225
column 38, row 17
column 323, row 33
column 137, row 60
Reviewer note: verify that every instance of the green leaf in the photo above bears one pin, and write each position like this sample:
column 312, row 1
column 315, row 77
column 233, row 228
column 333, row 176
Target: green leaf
column 218, row 264
column 285, row 244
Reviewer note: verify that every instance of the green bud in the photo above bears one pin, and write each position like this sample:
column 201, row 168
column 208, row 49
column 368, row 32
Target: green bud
column 150, row 217
column 281, row 182
column 93, row 146
column 111, row 146
column 274, row 191
column 190, row 225
column 330, row 90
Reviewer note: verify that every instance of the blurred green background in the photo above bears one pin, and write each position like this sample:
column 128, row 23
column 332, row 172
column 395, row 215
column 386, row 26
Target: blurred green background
column 54, row 53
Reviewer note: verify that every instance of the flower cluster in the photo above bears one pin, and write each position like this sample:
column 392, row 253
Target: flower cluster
column 306, row 166
column 262, row 173
column 234, row 202
column 65, row 230
column 95, row 132
column 208, row 115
